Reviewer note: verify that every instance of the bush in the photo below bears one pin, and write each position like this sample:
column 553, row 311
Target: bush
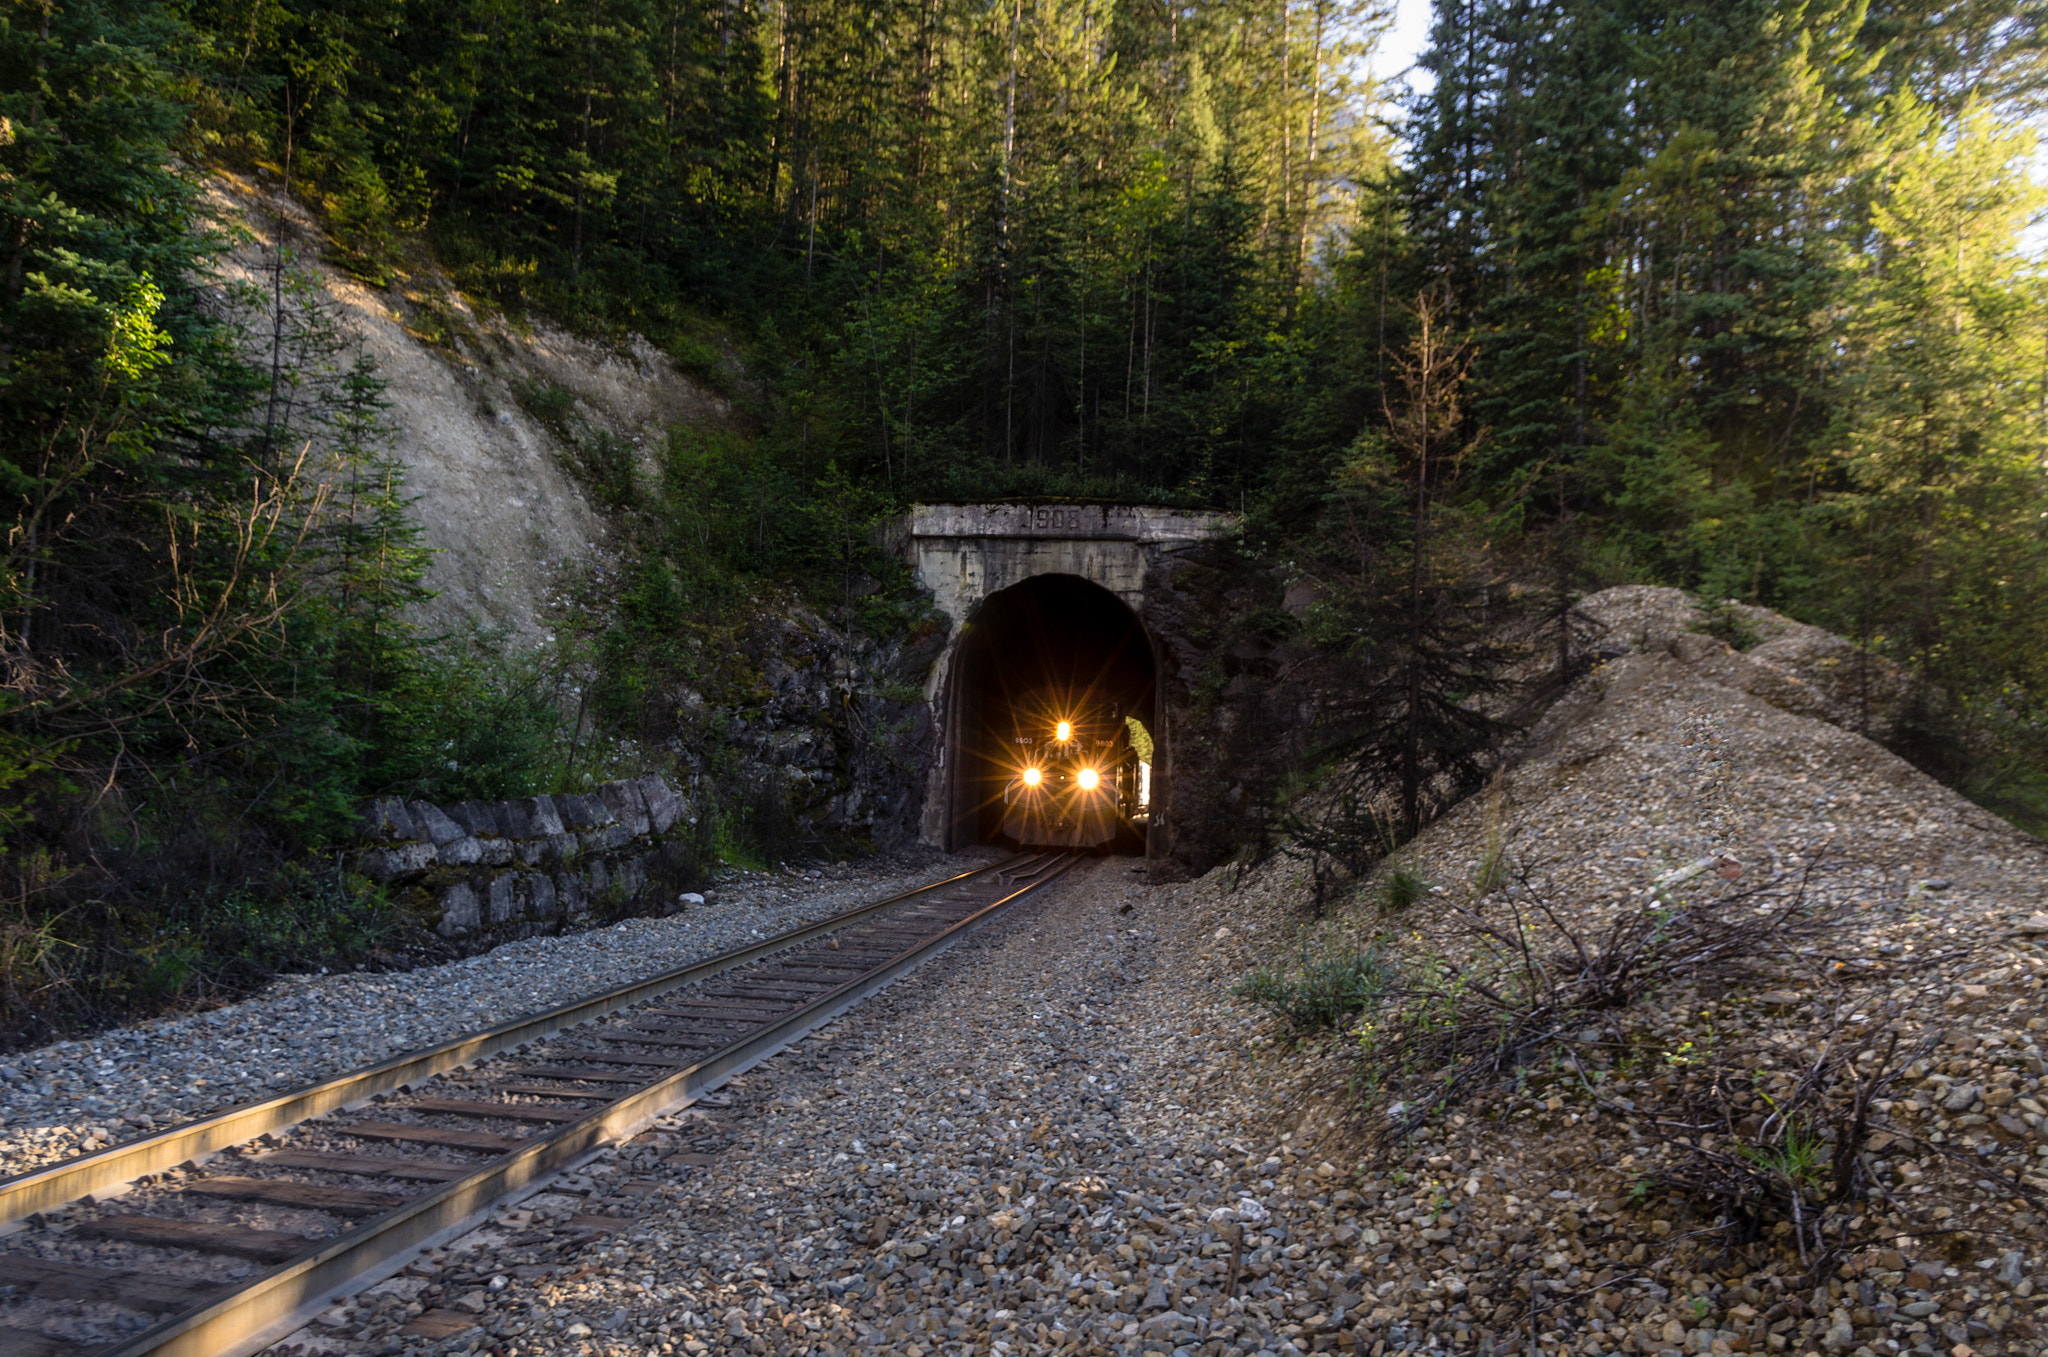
column 1399, row 888
column 1720, row 620
column 1327, row 986
column 156, row 933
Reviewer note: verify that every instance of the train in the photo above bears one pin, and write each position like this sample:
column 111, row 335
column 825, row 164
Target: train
column 1072, row 779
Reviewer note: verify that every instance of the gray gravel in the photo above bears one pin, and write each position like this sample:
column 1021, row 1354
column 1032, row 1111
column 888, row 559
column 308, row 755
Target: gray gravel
column 1021, row 1146
column 73, row 1096
column 1050, row 1139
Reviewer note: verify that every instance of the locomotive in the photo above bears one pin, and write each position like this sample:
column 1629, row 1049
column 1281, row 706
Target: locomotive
column 1072, row 779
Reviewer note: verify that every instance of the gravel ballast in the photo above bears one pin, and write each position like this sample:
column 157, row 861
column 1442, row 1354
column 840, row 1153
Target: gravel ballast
column 1047, row 1141
column 73, row 1096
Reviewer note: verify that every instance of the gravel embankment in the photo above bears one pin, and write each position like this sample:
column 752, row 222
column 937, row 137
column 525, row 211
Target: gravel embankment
column 66, row 1098
column 1553, row 1192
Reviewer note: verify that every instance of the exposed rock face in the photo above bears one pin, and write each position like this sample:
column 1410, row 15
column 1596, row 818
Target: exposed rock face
column 813, row 741
column 495, row 870
column 495, row 494
column 830, row 741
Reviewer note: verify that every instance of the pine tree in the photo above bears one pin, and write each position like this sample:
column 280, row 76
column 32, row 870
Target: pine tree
column 1942, row 439
column 1410, row 613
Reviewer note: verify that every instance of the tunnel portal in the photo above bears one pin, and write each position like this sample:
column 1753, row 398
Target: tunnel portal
column 1048, row 649
column 1039, row 596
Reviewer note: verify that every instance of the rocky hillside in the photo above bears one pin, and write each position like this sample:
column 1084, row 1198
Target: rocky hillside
column 1713, row 1027
column 482, row 412
column 516, row 439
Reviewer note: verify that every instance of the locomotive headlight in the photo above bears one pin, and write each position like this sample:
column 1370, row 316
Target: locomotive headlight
column 1088, row 779
column 1032, row 777
column 1063, row 731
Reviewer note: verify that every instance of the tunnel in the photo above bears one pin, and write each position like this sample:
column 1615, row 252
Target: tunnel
column 1049, row 641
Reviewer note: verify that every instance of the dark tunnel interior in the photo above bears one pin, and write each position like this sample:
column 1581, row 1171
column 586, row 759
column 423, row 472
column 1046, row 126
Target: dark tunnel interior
column 1052, row 633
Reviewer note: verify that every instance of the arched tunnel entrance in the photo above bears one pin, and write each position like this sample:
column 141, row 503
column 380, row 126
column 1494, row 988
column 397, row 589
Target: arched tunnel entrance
column 1048, row 647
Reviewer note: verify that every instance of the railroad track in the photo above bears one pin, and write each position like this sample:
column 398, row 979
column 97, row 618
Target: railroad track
column 221, row 1236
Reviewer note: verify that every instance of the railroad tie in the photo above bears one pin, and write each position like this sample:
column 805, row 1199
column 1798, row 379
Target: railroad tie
column 748, row 1013
column 665, row 1062
column 788, row 989
column 635, row 1037
column 263, row 1246
column 144, row 1291
column 489, row 1142
column 549, row 1091
column 688, row 1034
column 339, row 1201
column 463, row 1107
column 369, row 1165
column 592, row 1076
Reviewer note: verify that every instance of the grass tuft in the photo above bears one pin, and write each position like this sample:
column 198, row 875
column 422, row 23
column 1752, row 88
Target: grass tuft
column 1399, row 888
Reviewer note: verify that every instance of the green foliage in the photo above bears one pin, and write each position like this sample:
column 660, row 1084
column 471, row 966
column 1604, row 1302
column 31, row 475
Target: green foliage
column 1329, row 982
column 1838, row 419
column 179, row 945
column 1798, row 1156
column 1720, row 620
column 207, row 646
column 948, row 251
column 1399, row 887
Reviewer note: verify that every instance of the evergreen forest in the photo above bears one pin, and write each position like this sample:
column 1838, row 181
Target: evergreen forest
column 1734, row 297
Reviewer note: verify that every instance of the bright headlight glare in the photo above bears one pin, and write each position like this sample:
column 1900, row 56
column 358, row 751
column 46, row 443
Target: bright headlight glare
column 1064, row 731
column 1032, row 777
column 1088, row 779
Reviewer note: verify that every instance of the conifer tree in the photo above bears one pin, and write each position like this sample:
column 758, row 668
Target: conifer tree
column 1411, row 613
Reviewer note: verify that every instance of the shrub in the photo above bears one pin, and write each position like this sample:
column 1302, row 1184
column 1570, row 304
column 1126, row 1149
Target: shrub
column 1399, row 888
column 1326, row 986
column 1720, row 620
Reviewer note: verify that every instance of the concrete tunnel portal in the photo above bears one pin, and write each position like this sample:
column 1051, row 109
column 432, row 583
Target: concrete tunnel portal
column 1056, row 639
column 1044, row 596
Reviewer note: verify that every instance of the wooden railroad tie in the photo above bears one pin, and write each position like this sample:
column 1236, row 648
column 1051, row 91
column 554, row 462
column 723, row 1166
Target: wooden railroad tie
column 489, row 1142
column 340, row 1201
column 263, row 1246
column 370, row 1165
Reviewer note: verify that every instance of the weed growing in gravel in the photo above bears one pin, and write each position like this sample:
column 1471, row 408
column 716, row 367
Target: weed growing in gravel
column 1800, row 1156
column 1529, row 981
column 1518, row 1006
column 1399, row 888
column 1330, row 983
column 1491, row 872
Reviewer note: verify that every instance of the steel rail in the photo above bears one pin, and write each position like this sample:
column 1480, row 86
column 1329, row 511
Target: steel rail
column 103, row 1171
column 278, row 1302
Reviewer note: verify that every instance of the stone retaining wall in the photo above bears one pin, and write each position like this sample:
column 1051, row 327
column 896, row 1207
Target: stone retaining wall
column 504, row 869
